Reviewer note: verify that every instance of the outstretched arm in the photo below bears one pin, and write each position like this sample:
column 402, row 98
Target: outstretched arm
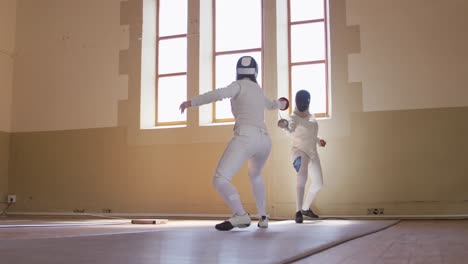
column 219, row 94
column 281, row 104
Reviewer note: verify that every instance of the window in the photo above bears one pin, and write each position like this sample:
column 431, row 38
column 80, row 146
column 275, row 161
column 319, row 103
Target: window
column 237, row 31
column 228, row 29
column 308, row 63
column 171, row 69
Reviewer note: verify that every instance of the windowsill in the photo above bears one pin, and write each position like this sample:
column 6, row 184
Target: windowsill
column 324, row 118
column 208, row 125
column 184, row 126
column 217, row 124
column 163, row 127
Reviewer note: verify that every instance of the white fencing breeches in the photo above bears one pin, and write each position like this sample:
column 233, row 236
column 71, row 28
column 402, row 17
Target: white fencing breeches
column 307, row 168
column 248, row 144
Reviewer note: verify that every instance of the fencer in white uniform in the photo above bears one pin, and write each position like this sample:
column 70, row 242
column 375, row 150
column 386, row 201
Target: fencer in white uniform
column 250, row 142
column 303, row 129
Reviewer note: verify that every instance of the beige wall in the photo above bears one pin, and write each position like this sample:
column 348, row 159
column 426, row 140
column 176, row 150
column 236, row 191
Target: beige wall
column 66, row 70
column 7, row 50
column 4, row 159
column 406, row 161
column 95, row 169
column 413, row 53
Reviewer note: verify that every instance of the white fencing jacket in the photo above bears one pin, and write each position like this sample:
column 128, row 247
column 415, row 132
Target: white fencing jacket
column 304, row 133
column 248, row 103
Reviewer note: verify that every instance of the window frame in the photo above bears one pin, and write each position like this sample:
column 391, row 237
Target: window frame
column 325, row 61
column 220, row 53
column 166, row 75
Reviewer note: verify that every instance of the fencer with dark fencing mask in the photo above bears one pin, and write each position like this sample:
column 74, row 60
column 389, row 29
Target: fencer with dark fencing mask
column 302, row 101
column 250, row 142
column 303, row 128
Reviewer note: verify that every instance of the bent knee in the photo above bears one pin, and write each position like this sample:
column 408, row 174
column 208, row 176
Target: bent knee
column 218, row 180
column 315, row 188
column 256, row 179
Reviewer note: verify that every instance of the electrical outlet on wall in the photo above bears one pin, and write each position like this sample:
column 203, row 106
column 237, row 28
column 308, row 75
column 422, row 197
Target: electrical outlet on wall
column 11, row 198
column 375, row 211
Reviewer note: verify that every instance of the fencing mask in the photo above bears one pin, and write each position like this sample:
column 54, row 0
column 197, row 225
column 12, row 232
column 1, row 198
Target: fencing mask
column 247, row 68
column 302, row 100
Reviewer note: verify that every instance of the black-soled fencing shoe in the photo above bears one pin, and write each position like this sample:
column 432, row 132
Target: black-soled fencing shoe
column 224, row 226
column 299, row 218
column 310, row 214
column 240, row 221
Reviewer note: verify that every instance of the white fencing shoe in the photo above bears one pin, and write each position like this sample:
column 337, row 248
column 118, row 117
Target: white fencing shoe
column 263, row 222
column 240, row 221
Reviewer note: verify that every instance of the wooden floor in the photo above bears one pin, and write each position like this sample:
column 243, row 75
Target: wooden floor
column 409, row 241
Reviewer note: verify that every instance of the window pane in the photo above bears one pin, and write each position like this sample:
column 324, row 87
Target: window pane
column 171, row 91
column 172, row 17
column 226, row 74
column 307, row 10
column 308, row 42
column 172, row 55
column 311, row 78
column 238, row 24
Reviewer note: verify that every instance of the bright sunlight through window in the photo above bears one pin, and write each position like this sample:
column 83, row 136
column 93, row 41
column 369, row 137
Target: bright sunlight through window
column 308, row 62
column 171, row 71
column 238, row 32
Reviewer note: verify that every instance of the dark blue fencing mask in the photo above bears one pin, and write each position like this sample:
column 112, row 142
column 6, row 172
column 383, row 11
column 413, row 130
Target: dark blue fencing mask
column 302, row 100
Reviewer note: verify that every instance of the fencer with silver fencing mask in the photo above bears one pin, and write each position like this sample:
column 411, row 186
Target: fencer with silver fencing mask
column 303, row 129
column 250, row 141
